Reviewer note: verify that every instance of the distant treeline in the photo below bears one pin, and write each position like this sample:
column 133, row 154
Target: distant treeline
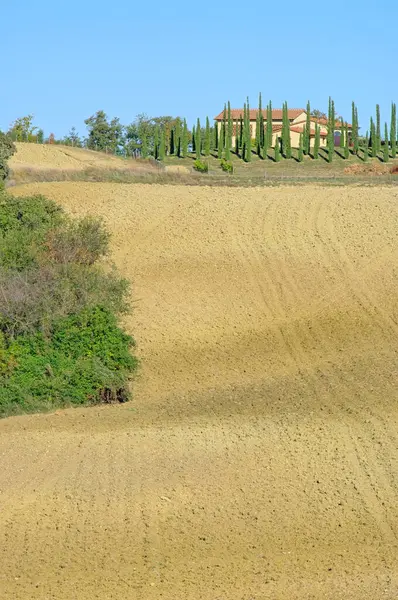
column 159, row 137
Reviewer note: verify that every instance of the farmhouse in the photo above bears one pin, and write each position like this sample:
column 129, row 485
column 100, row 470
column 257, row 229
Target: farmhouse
column 297, row 119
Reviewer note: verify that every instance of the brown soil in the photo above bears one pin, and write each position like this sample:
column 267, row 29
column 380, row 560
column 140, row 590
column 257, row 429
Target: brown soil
column 259, row 459
column 369, row 168
column 54, row 156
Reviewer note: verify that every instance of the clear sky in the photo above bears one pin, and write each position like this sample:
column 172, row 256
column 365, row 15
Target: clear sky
column 63, row 60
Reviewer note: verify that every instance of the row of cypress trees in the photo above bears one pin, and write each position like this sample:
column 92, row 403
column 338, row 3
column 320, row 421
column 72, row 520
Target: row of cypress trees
column 218, row 139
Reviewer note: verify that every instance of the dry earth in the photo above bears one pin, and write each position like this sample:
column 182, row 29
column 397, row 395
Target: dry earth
column 48, row 156
column 259, row 459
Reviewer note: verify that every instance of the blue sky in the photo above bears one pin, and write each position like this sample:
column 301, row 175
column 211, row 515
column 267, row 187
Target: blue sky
column 64, row 60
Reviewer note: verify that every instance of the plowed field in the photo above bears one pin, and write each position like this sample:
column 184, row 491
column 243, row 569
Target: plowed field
column 259, row 458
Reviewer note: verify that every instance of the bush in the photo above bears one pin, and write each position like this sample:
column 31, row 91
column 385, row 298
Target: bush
column 60, row 342
column 226, row 165
column 201, row 166
column 7, row 149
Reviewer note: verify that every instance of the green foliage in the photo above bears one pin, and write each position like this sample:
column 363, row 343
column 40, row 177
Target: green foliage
column 228, row 141
column 23, row 130
column 220, row 141
column 300, row 154
column 215, row 136
column 7, row 149
column 259, row 127
column 59, row 339
column 386, row 147
column 72, row 139
column 177, row 138
column 342, row 130
column 104, row 134
column 393, row 130
column 307, row 131
column 373, row 140
column 317, row 141
column 198, row 140
column 226, row 166
column 277, row 154
column 331, row 127
column 286, row 143
column 207, row 138
column 237, row 137
column 247, row 154
column 365, row 155
column 345, row 134
column 268, row 129
column 85, row 359
column 378, row 130
column 162, row 145
column 40, row 136
column 184, row 144
column 201, row 166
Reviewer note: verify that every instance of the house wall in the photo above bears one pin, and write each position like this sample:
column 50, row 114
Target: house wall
column 294, row 136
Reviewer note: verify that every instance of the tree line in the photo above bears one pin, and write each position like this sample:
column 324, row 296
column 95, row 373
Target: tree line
column 159, row 137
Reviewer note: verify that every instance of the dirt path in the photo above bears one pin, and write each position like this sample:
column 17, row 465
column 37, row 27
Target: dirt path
column 259, row 459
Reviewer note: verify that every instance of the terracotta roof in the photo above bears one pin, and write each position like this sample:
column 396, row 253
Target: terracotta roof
column 277, row 114
column 276, row 128
column 325, row 122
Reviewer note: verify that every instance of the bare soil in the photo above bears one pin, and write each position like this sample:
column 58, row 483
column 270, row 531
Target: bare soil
column 259, row 458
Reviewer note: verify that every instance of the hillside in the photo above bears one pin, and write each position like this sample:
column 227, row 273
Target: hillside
column 51, row 160
column 258, row 458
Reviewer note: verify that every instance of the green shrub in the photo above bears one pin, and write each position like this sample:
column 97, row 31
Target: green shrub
column 226, row 165
column 86, row 359
column 201, row 166
column 7, row 149
column 60, row 343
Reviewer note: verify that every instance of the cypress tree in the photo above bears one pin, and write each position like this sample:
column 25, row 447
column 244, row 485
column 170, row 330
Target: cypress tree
column 331, row 126
column 366, row 149
column 300, row 155
column 342, row 131
column 193, row 139
column 144, row 146
column 393, row 130
column 286, row 143
column 249, row 134
column 228, row 140
column 356, row 131
column 259, row 126
column 378, row 129
column 373, row 141
column 215, row 136
column 241, row 132
column 207, row 138
column 317, row 141
column 346, row 142
column 172, row 142
column 353, row 131
column 244, row 133
column 162, row 146
column 198, row 140
column 237, row 137
column 221, row 142
column 277, row 154
column 185, row 139
column 386, row 147
column 307, row 131
column 156, row 143
column 268, row 136
column 177, row 140
column 224, row 126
